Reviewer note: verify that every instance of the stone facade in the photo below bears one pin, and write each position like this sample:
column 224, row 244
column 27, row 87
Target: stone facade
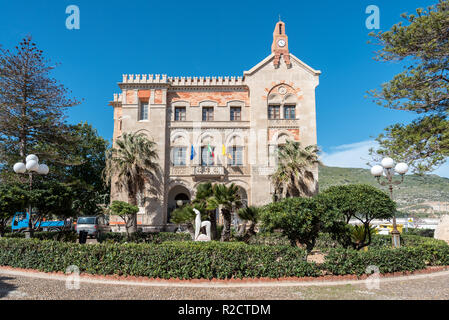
column 246, row 117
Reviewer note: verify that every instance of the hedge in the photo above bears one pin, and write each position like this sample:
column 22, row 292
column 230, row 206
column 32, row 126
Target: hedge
column 183, row 260
column 144, row 237
column 347, row 261
column 65, row 236
column 420, row 232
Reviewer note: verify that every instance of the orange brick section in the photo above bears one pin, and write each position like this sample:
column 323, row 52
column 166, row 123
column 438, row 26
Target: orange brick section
column 221, row 97
column 294, row 132
column 144, row 95
column 130, row 97
column 158, row 96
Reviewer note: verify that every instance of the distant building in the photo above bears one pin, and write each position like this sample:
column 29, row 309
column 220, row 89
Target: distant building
column 245, row 118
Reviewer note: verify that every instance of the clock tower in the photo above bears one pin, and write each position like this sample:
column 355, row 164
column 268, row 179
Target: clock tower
column 280, row 45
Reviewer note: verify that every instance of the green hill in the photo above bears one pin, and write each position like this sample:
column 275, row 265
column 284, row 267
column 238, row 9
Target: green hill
column 427, row 194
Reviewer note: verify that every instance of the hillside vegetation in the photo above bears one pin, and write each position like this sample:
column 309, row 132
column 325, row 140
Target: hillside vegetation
column 427, row 194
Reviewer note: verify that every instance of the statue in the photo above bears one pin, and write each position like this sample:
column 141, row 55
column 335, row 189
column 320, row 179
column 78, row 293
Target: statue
column 198, row 225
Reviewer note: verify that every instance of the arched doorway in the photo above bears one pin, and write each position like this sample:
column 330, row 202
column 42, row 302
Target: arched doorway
column 177, row 197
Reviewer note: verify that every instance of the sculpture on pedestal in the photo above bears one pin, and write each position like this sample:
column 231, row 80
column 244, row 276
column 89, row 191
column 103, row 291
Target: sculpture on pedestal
column 198, row 225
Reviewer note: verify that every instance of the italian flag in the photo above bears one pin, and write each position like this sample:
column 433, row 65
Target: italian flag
column 210, row 150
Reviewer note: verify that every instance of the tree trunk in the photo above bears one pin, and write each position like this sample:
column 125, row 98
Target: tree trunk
column 250, row 232
column 213, row 225
column 226, row 233
column 131, row 226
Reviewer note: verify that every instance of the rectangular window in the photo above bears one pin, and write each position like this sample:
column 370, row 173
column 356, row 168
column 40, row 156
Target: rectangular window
column 179, row 156
column 289, row 112
column 206, row 157
column 274, row 112
column 237, row 156
column 180, row 114
column 236, row 113
column 143, row 115
column 208, row 114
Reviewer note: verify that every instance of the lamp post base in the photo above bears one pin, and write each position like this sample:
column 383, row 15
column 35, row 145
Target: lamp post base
column 396, row 238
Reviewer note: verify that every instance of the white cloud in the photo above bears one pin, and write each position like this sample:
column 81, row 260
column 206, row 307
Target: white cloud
column 356, row 155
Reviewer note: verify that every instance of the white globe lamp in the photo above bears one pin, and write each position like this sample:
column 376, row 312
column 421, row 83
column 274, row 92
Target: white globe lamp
column 32, row 165
column 19, row 167
column 32, row 157
column 43, row 169
column 377, row 171
column 387, row 163
column 401, row 168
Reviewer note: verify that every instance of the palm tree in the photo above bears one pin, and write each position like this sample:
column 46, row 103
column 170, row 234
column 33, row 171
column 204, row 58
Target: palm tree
column 252, row 214
column 228, row 198
column 130, row 164
column 294, row 175
column 203, row 193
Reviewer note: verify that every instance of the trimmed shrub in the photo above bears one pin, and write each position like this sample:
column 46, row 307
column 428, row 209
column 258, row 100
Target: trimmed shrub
column 269, row 239
column 183, row 260
column 64, row 236
column 384, row 241
column 144, row 237
column 429, row 233
column 348, row 261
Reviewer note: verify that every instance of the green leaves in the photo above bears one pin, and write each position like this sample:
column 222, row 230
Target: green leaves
column 298, row 218
column 294, row 174
column 183, row 260
column 122, row 208
column 423, row 87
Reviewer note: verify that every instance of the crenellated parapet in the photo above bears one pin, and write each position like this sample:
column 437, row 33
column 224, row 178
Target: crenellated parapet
column 117, row 100
column 181, row 81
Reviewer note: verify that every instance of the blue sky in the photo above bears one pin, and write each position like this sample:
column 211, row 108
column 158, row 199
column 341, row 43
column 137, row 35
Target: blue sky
column 213, row 38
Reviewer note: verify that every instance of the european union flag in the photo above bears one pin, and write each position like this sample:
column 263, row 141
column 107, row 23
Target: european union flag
column 192, row 153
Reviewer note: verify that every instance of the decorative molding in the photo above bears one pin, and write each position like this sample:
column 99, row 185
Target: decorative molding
column 208, row 171
column 181, row 81
column 283, row 123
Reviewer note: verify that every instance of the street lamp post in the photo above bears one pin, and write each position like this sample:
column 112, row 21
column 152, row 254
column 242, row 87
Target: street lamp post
column 30, row 167
column 388, row 170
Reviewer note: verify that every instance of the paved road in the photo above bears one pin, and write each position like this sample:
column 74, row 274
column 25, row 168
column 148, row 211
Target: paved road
column 434, row 286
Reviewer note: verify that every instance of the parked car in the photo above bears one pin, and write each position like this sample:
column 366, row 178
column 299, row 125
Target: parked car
column 93, row 225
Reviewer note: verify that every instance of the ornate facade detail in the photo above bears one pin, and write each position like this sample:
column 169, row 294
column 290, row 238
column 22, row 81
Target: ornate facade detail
column 208, row 171
column 284, row 123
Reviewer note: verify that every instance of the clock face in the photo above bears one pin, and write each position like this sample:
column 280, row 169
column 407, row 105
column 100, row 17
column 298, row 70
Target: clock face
column 281, row 43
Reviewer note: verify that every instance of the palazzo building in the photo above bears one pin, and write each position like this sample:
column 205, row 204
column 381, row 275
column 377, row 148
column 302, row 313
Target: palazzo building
column 218, row 129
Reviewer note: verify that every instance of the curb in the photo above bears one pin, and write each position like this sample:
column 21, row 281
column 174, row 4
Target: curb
column 232, row 283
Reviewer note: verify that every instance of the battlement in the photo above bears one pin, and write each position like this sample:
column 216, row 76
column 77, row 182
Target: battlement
column 117, row 100
column 182, row 81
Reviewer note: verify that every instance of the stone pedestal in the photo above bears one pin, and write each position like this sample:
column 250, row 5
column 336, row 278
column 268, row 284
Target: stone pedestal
column 442, row 230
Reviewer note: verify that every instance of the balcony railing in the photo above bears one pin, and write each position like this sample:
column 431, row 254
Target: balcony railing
column 211, row 171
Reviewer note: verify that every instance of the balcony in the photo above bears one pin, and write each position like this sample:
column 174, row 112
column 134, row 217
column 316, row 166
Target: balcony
column 211, row 171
